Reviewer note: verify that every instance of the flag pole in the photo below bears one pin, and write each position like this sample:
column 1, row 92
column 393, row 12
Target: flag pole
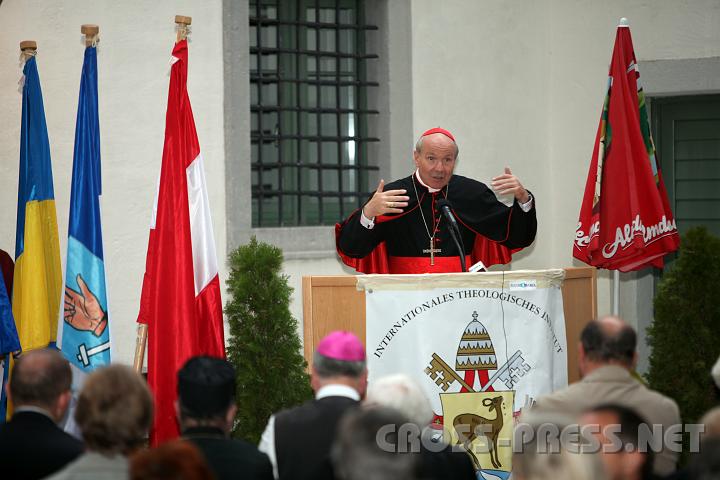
column 28, row 48
column 183, row 24
column 182, row 28
column 91, row 34
column 616, row 273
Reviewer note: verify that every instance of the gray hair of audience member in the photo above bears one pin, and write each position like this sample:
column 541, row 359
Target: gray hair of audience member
column 532, row 461
column 402, row 393
column 368, row 446
column 39, row 377
column 326, row 367
column 114, row 410
column 605, row 346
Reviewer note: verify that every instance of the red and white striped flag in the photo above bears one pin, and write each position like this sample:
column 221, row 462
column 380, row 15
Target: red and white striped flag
column 180, row 300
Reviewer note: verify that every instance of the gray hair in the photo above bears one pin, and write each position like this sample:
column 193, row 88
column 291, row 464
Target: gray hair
column 357, row 453
column 327, row 367
column 419, row 144
column 402, row 393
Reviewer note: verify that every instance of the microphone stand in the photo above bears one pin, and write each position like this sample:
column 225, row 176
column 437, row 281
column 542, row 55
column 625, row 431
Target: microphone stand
column 454, row 231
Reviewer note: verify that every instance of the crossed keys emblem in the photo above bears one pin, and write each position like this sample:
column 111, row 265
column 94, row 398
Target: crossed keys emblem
column 509, row 373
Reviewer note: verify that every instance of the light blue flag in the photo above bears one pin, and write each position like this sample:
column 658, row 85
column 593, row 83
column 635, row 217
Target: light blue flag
column 86, row 332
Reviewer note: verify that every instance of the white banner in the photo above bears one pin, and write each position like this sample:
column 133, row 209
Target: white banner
column 499, row 335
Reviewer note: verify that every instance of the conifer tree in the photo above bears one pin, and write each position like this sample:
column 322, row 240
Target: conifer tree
column 263, row 346
column 685, row 335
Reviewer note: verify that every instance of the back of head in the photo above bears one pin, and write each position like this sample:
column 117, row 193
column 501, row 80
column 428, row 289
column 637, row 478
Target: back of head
column 206, row 389
column 176, row 460
column 339, row 354
column 609, row 340
column 706, row 464
column 711, row 421
column 368, row 446
column 633, row 432
column 403, row 394
column 39, row 377
column 540, row 454
column 114, row 410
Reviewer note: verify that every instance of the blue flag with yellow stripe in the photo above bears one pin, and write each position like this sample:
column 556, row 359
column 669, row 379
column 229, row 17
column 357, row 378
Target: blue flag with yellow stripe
column 37, row 280
column 85, row 333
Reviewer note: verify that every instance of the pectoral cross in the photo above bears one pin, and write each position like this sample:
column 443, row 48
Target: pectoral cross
column 432, row 251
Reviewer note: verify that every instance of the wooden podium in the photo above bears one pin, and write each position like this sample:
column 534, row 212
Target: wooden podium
column 334, row 303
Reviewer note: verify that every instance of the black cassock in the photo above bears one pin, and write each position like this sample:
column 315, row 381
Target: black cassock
column 490, row 230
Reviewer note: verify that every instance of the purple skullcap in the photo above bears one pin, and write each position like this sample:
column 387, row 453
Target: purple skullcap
column 342, row 345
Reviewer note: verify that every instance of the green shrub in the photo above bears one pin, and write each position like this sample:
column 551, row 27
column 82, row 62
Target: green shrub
column 685, row 335
column 263, row 346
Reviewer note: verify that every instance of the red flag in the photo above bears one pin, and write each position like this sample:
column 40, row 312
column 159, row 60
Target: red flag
column 625, row 219
column 180, row 300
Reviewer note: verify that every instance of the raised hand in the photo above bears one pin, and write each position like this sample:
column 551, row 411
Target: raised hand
column 83, row 311
column 381, row 203
column 507, row 183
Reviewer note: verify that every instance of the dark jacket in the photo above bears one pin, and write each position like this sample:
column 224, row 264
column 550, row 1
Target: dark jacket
column 33, row 446
column 229, row 458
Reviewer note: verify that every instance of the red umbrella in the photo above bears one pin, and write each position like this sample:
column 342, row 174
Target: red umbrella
column 625, row 220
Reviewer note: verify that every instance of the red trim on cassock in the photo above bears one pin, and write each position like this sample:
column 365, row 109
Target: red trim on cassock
column 378, row 261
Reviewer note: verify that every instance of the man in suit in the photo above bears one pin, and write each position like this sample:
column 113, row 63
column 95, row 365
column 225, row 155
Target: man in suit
column 606, row 357
column 298, row 441
column 206, row 411
column 31, row 444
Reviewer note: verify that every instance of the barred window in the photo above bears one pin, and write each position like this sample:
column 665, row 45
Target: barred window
column 309, row 110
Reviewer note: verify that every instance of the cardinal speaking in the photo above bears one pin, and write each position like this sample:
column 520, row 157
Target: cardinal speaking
column 401, row 228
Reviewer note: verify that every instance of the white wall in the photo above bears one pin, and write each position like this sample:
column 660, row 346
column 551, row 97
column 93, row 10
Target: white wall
column 136, row 40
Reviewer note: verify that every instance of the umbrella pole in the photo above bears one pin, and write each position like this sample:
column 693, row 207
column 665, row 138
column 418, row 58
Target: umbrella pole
column 616, row 293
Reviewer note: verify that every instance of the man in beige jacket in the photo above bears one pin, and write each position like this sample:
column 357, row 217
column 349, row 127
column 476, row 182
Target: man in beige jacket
column 606, row 356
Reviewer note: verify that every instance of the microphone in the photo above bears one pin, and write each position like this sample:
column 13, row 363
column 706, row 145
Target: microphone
column 445, row 208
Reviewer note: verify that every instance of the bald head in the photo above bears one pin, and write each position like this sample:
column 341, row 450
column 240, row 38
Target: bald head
column 609, row 340
column 39, row 378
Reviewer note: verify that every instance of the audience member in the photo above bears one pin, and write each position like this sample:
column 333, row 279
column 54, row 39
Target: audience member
column 369, row 446
column 298, row 440
column 206, row 410
column 706, row 464
column 404, row 395
column 114, row 412
column 31, row 444
column 630, row 457
column 606, row 357
column 176, row 460
column 539, row 453
column 711, row 422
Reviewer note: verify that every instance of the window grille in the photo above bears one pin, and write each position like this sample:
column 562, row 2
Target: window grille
column 309, row 111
